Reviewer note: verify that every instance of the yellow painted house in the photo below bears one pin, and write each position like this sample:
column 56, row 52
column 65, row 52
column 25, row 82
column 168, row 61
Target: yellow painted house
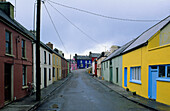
column 56, row 66
column 146, row 63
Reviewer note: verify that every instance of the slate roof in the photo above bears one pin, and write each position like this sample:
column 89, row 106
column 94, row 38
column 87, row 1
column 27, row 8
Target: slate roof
column 95, row 54
column 119, row 51
column 83, row 58
column 145, row 36
column 15, row 24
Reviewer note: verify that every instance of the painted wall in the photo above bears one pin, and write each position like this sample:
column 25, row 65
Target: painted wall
column 42, row 66
column 17, row 61
column 99, row 66
column 57, row 65
column 151, row 55
column 105, row 71
column 79, row 66
column 117, row 68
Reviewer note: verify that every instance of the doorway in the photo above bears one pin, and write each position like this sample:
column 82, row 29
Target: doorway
column 152, row 81
column 45, row 77
column 7, row 85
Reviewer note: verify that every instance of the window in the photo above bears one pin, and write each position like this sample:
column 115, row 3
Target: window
column 8, row 42
column 44, row 57
column 57, row 61
column 23, row 48
column 161, row 71
column 53, row 59
column 81, row 61
column 164, row 71
column 49, row 59
column 24, row 76
column 53, row 72
column 86, row 62
column 168, row 71
column 49, row 74
column 110, row 62
column 135, row 75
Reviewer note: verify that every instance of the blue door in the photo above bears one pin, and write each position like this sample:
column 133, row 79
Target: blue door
column 125, row 77
column 152, row 82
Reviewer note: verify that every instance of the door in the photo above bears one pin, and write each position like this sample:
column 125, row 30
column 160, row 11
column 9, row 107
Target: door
column 45, row 77
column 125, row 77
column 117, row 75
column 7, row 82
column 111, row 74
column 152, row 82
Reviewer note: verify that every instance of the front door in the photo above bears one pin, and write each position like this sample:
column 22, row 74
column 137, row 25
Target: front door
column 152, row 82
column 125, row 77
column 111, row 75
column 7, row 82
column 45, row 77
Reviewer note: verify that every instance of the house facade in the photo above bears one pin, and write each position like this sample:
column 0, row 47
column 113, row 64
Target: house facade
column 73, row 65
column 15, row 56
column 146, row 63
column 46, row 68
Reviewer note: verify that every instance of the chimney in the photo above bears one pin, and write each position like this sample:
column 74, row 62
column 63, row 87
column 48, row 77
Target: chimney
column 50, row 45
column 56, row 50
column 76, row 57
column 63, row 54
column 102, row 54
column 7, row 8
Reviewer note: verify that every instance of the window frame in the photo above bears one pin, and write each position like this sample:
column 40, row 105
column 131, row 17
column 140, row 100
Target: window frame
column 24, row 75
column 49, row 59
column 45, row 57
column 166, row 78
column 49, row 74
column 133, row 75
column 9, row 42
column 23, row 48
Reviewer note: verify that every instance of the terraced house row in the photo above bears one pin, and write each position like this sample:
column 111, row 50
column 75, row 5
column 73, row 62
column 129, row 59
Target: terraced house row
column 18, row 58
column 143, row 64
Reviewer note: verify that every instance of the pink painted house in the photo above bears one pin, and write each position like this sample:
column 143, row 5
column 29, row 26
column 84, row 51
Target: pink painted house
column 73, row 64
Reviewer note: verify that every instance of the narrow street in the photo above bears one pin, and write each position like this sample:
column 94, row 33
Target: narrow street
column 83, row 93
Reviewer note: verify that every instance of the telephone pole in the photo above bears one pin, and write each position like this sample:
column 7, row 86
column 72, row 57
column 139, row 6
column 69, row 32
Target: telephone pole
column 38, row 75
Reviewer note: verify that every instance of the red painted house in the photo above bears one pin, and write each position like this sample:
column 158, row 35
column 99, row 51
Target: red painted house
column 64, row 67
column 15, row 56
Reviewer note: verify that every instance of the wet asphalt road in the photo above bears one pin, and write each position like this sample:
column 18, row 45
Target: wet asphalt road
column 83, row 93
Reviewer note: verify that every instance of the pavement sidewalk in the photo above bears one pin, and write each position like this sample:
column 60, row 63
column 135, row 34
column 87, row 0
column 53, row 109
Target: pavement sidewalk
column 151, row 104
column 29, row 103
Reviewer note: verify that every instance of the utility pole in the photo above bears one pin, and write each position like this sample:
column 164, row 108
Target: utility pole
column 38, row 75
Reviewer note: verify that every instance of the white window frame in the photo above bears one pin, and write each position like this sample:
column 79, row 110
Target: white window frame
column 135, row 74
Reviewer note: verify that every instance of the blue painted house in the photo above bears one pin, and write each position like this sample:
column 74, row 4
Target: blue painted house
column 83, row 61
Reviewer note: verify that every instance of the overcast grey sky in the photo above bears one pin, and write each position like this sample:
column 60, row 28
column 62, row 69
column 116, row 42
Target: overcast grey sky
column 105, row 31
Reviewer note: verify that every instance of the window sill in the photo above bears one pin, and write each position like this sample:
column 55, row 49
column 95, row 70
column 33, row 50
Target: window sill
column 24, row 87
column 163, row 79
column 23, row 58
column 10, row 55
column 135, row 81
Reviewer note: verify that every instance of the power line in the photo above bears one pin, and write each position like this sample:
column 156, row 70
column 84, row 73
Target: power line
column 75, row 25
column 54, row 27
column 100, row 15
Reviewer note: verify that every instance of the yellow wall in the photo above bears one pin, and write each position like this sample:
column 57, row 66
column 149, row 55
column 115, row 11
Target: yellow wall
column 56, row 66
column 152, row 54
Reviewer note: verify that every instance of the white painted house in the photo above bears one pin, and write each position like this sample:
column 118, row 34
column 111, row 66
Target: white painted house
column 45, row 65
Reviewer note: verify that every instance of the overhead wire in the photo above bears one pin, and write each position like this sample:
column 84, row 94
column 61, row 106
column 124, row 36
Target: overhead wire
column 55, row 27
column 100, row 15
column 74, row 25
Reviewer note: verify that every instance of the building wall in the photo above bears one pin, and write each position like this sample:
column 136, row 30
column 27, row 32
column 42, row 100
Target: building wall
column 105, row 71
column 117, row 65
column 42, row 66
column 84, row 64
column 17, row 62
column 153, row 54
column 57, row 65
column 99, row 66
